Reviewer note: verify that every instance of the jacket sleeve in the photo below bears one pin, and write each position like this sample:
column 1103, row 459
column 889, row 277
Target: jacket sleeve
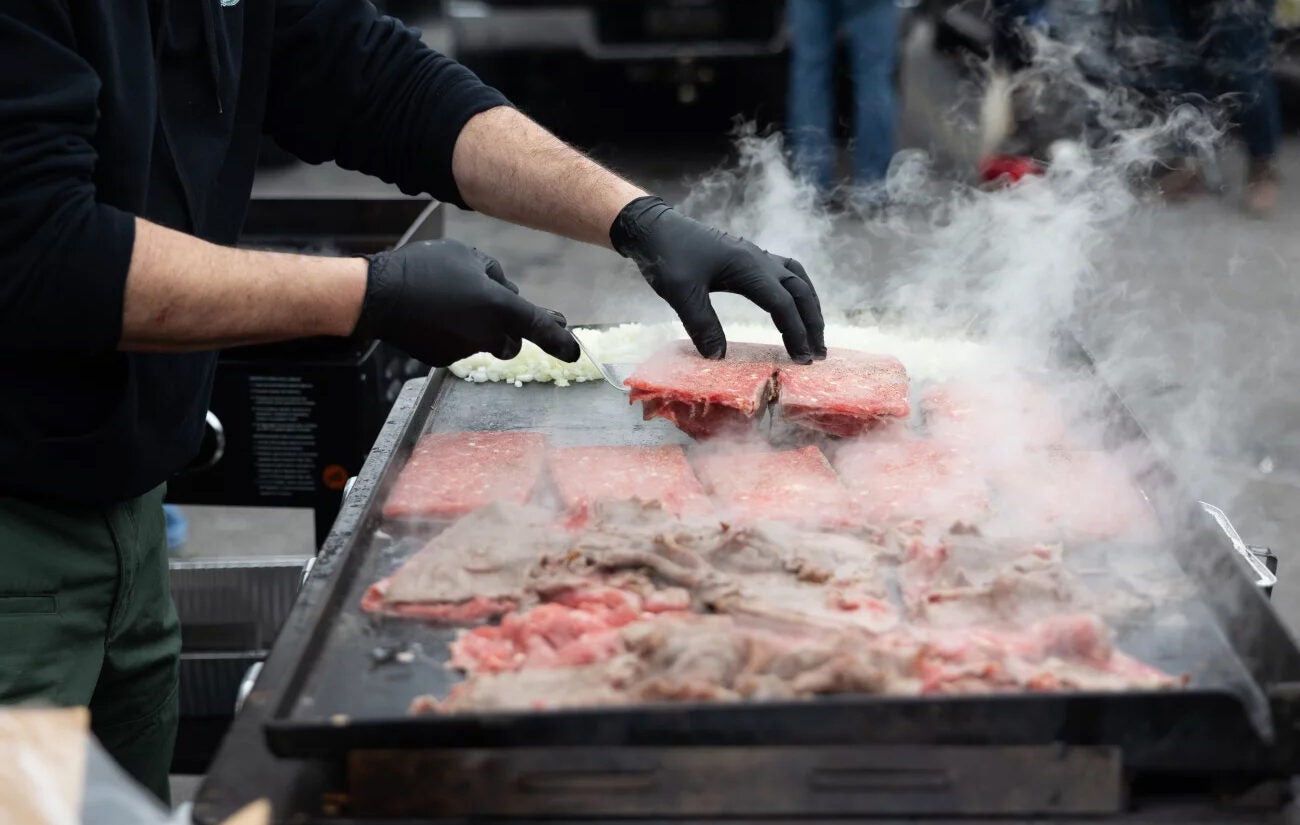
column 359, row 88
column 63, row 255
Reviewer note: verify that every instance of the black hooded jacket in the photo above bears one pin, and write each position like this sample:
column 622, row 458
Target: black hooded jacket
column 111, row 109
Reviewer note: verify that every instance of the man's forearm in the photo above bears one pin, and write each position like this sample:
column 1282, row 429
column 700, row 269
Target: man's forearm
column 509, row 167
column 186, row 294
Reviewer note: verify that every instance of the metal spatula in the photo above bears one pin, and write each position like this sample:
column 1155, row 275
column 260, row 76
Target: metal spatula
column 606, row 371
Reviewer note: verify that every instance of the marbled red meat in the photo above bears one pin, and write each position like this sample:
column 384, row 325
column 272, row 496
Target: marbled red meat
column 705, row 398
column 585, row 475
column 451, row 474
column 797, row 486
column 1069, row 652
column 912, row 478
column 579, row 628
column 846, row 394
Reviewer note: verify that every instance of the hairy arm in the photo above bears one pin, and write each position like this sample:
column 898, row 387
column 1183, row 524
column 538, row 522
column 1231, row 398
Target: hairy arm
column 509, row 167
column 183, row 293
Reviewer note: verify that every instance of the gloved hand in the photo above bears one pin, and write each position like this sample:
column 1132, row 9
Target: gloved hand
column 684, row 260
column 442, row 301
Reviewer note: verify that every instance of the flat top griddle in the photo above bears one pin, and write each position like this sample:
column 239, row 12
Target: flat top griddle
column 334, row 695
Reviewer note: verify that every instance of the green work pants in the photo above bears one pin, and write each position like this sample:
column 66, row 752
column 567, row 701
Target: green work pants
column 86, row 618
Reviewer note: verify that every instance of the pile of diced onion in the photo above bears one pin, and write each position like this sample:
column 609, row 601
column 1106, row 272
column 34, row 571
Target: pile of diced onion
column 926, row 358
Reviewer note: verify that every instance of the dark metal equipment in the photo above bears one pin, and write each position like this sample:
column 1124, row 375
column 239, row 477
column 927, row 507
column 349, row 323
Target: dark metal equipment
column 325, row 735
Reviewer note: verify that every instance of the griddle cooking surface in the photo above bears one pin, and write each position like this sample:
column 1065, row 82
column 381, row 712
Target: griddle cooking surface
column 1175, row 631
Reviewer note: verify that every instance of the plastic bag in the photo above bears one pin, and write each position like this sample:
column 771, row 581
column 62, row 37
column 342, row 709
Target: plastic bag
column 54, row 772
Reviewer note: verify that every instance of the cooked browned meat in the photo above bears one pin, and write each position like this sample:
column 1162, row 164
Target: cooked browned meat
column 796, row 575
column 635, row 535
column 535, row 689
column 721, row 658
column 474, row 570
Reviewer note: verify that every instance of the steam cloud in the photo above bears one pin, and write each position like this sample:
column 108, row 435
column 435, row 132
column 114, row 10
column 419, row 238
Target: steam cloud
column 1015, row 266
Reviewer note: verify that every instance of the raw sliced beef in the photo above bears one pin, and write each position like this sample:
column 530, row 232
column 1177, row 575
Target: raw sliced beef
column 450, row 474
column 908, row 479
column 702, row 397
column 474, row 570
column 584, row 475
column 798, row 486
column 1015, row 414
column 579, row 627
column 846, row 394
column 1078, row 494
column 1072, row 652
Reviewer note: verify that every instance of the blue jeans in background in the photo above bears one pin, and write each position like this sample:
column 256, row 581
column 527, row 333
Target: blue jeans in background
column 871, row 27
column 178, row 526
column 1223, row 47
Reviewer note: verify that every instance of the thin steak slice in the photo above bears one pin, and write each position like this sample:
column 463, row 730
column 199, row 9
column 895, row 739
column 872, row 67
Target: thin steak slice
column 580, row 627
column 594, row 685
column 704, row 398
column 967, row 581
column 725, row 658
column 797, row 486
column 1062, row 653
column 805, row 577
column 585, row 475
column 450, row 474
column 474, row 570
column 846, row 394
column 913, row 478
column 636, row 537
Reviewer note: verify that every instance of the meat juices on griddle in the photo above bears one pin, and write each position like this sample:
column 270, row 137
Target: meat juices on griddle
column 797, row 486
column 474, row 570
column 451, row 474
column 845, row 395
column 704, row 398
column 902, row 479
column 585, row 475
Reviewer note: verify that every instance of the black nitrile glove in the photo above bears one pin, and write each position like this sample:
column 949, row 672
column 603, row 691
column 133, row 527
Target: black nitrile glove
column 684, row 260
column 442, row 301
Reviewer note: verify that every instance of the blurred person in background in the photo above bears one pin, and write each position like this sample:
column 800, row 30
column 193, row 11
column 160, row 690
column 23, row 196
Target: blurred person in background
column 177, row 527
column 871, row 29
column 1013, row 21
column 1222, row 49
column 129, row 135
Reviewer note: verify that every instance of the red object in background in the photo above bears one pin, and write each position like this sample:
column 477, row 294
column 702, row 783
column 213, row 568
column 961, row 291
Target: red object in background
column 1008, row 168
